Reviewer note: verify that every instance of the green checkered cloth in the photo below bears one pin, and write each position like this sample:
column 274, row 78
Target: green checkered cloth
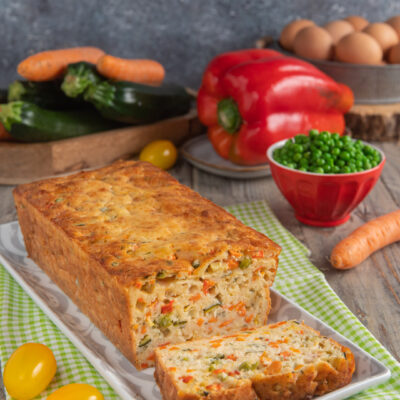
column 22, row 321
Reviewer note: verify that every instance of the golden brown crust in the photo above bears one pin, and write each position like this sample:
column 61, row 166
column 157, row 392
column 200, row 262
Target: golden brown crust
column 89, row 287
column 98, row 233
column 135, row 220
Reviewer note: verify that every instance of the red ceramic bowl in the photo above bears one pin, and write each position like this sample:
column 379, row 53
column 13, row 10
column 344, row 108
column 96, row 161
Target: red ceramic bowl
column 323, row 199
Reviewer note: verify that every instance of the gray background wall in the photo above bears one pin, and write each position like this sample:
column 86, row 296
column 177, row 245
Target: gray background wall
column 182, row 34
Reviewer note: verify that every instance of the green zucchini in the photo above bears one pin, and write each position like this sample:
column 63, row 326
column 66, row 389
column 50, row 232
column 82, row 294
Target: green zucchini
column 79, row 77
column 29, row 123
column 135, row 103
column 3, row 96
column 125, row 101
column 44, row 94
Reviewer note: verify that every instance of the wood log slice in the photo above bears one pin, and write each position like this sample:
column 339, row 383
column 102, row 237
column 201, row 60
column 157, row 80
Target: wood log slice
column 374, row 122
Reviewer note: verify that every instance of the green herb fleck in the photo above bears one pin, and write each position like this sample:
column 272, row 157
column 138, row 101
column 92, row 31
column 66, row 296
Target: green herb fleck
column 205, row 393
column 161, row 274
column 345, row 356
column 163, row 322
column 214, row 306
column 59, row 200
column 145, row 340
column 196, row 264
column 245, row 366
column 104, row 209
column 80, row 224
column 179, row 323
column 115, row 263
column 245, row 262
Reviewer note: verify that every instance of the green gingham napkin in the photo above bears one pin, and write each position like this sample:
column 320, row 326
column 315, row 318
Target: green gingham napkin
column 22, row 321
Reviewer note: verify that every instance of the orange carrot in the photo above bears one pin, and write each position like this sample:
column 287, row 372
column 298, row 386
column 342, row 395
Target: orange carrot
column 4, row 135
column 226, row 323
column 51, row 64
column 365, row 240
column 141, row 71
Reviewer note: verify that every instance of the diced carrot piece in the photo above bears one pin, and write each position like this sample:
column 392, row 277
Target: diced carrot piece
column 277, row 324
column 231, row 357
column 207, row 285
column 200, row 321
column 294, row 350
column 285, row 354
column 174, row 348
column 216, row 345
column 274, row 368
column 249, row 318
column 186, row 379
column 297, row 367
column 219, row 371
column 151, row 357
column 235, row 253
column 138, row 284
column 144, row 329
column 141, row 300
column 195, row 298
column 189, row 370
column 226, row 323
column 172, row 369
column 144, row 365
column 213, row 319
column 258, row 254
column 233, row 264
column 167, row 308
column 214, row 386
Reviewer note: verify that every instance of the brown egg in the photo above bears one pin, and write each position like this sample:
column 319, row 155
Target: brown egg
column 394, row 22
column 290, row 31
column 393, row 55
column 338, row 29
column 383, row 33
column 313, row 42
column 359, row 48
column 359, row 23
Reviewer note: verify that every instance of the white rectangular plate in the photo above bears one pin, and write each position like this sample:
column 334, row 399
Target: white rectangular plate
column 112, row 365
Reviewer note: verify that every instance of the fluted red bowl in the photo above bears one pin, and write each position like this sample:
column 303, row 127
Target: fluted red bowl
column 323, row 199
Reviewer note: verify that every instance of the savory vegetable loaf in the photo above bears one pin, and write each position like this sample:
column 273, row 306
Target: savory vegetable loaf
column 147, row 259
column 286, row 360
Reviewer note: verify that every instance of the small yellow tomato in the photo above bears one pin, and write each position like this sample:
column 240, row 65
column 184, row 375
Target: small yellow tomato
column 161, row 153
column 76, row 391
column 29, row 371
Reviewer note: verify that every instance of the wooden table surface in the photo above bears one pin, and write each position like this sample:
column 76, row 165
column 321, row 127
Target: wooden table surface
column 371, row 291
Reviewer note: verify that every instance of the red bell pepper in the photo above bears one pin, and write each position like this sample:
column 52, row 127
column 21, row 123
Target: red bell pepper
column 251, row 99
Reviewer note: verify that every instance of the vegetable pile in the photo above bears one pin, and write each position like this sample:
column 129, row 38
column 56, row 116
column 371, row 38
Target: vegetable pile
column 326, row 153
column 78, row 91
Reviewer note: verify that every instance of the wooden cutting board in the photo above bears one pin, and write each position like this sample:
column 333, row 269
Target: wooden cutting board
column 26, row 162
column 374, row 122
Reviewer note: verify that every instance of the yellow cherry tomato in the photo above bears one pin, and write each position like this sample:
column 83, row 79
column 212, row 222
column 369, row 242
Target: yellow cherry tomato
column 29, row 370
column 161, row 153
column 76, row 391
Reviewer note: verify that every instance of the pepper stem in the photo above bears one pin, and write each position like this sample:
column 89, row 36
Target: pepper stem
column 229, row 116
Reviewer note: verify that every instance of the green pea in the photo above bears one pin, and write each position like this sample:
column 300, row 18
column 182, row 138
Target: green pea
column 345, row 155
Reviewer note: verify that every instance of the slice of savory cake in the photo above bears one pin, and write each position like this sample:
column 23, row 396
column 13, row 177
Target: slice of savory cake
column 147, row 259
column 287, row 360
